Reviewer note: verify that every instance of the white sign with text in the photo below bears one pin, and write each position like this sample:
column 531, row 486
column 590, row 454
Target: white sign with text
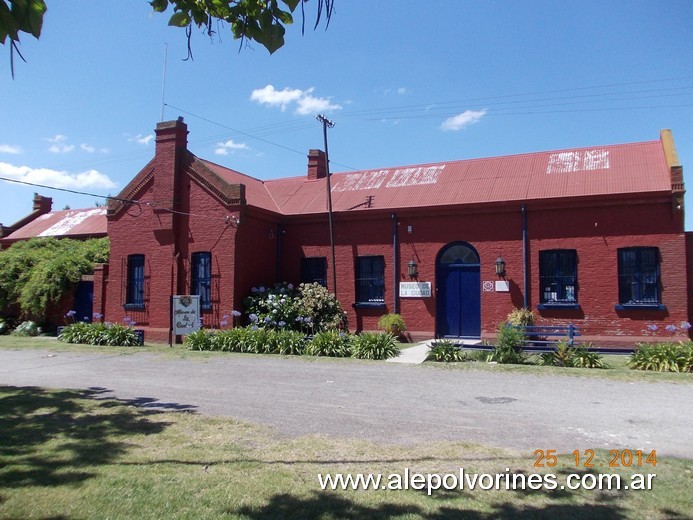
column 415, row 289
column 186, row 314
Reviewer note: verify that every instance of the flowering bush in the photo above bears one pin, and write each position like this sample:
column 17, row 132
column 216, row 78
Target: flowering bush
column 310, row 308
column 272, row 308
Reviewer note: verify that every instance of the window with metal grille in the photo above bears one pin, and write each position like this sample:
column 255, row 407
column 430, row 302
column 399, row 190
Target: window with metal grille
column 638, row 276
column 314, row 270
column 134, row 292
column 370, row 279
column 558, row 277
column 201, row 278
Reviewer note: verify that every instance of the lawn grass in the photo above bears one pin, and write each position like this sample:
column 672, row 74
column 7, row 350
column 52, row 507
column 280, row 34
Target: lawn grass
column 70, row 454
column 618, row 371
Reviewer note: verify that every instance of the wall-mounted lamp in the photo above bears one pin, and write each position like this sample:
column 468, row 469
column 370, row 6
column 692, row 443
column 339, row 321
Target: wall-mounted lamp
column 412, row 269
column 500, row 267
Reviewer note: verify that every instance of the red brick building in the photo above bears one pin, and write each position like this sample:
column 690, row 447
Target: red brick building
column 593, row 236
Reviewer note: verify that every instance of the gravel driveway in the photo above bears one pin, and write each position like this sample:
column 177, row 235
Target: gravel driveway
column 384, row 402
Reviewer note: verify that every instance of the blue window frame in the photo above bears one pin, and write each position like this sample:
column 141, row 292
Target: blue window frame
column 201, row 278
column 134, row 291
column 314, row 270
column 639, row 276
column 370, row 280
column 558, row 277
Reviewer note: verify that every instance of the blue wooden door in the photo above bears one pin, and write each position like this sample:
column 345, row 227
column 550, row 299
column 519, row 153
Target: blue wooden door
column 84, row 301
column 459, row 293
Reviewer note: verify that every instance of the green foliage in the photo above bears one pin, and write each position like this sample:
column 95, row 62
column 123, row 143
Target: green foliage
column 21, row 16
column 371, row 345
column 521, row 317
column 4, row 327
column 575, row 356
column 392, row 324
column 322, row 308
column 37, row 273
column 251, row 340
column 663, row 357
column 27, row 328
column 329, row 343
column 109, row 334
column 446, row 351
column 256, row 20
column 199, row 340
column 508, row 349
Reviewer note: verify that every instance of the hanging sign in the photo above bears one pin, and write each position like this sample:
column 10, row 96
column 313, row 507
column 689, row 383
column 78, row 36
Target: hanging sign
column 415, row 289
column 186, row 314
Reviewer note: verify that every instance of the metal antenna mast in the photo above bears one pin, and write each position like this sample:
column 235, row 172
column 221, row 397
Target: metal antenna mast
column 326, row 123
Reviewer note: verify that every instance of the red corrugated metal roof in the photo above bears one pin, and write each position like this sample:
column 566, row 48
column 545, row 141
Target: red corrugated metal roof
column 580, row 172
column 65, row 223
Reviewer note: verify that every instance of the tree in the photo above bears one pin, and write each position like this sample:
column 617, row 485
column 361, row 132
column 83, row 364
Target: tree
column 259, row 20
column 263, row 21
column 17, row 17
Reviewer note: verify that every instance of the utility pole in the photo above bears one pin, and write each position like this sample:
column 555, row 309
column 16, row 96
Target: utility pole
column 326, row 123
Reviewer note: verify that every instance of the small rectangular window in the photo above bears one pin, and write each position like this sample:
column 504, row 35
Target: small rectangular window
column 558, row 277
column 134, row 295
column 201, row 278
column 370, row 280
column 314, row 270
column 638, row 276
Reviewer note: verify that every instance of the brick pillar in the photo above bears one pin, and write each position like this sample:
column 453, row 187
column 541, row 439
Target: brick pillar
column 100, row 283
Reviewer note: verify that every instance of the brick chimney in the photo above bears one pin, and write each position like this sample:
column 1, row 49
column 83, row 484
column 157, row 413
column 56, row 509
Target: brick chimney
column 171, row 146
column 42, row 204
column 317, row 166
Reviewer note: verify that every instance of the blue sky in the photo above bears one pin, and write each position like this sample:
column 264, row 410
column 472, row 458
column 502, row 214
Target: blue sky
column 405, row 82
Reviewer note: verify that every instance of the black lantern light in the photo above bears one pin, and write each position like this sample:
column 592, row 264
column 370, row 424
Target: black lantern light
column 500, row 267
column 412, row 269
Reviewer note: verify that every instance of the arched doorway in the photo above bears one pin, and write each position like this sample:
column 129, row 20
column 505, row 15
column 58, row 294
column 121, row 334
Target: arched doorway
column 458, row 292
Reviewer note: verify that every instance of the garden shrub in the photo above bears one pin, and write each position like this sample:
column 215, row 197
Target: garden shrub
column 110, row 334
column 27, row 328
column 392, row 324
column 663, row 357
column 322, row 308
column 36, row 274
column 575, row 356
column 446, row 351
column 310, row 308
column 290, row 343
column 508, row 349
column 331, row 343
column 4, row 327
column 372, row 345
column 522, row 317
column 199, row 340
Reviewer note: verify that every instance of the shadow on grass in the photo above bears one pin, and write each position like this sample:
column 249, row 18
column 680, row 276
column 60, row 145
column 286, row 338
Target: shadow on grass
column 322, row 505
column 58, row 437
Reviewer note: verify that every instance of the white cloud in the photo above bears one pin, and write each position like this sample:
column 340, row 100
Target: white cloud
column 402, row 90
column 57, row 178
column 306, row 103
column 270, row 96
column 10, row 148
column 142, row 139
column 87, row 148
column 466, row 118
column 223, row 148
column 59, row 145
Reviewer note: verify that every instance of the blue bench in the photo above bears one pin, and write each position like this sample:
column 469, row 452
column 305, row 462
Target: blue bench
column 548, row 336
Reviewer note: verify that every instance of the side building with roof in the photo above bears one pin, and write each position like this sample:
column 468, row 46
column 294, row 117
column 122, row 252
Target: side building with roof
column 76, row 224
column 590, row 236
